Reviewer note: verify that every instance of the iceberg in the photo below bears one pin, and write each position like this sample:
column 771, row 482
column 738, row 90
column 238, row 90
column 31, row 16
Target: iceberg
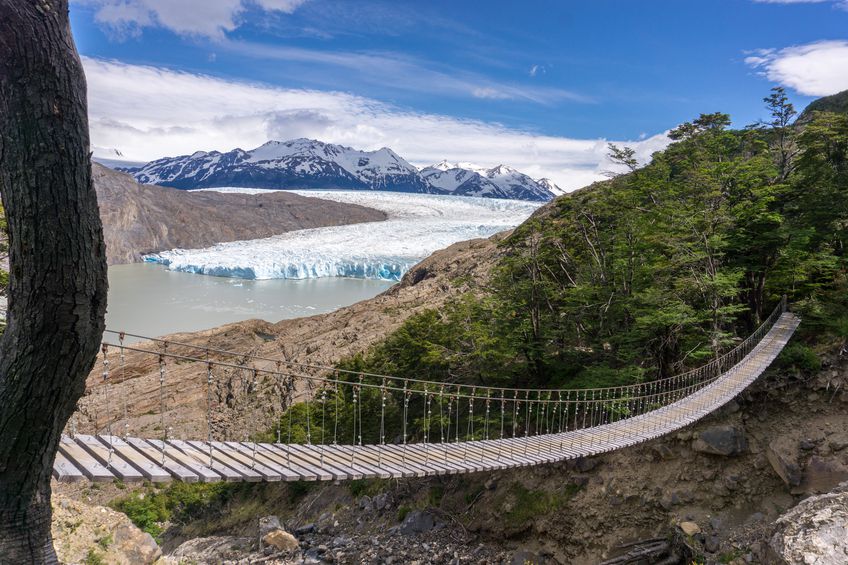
column 417, row 226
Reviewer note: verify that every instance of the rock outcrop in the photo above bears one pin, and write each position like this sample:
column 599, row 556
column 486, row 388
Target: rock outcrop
column 782, row 454
column 815, row 532
column 84, row 534
column 721, row 440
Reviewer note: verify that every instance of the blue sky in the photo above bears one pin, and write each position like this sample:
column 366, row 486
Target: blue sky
column 538, row 85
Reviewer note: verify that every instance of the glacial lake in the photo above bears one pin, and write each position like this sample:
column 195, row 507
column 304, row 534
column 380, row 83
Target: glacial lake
column 150, row 300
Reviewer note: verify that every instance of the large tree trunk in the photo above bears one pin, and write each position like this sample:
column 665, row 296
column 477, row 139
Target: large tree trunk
column 57, row 289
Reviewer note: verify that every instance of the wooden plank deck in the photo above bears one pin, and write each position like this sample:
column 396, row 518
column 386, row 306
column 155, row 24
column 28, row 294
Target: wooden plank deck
column 89, row 457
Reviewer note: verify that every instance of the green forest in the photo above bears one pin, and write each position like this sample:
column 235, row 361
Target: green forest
column 650, row 273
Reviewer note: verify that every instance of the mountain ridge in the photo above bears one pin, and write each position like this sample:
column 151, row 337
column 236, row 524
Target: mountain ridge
column 140, row 219
column 310, row 164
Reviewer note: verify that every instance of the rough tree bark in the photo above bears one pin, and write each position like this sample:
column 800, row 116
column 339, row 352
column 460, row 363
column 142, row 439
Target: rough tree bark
column 57, row 289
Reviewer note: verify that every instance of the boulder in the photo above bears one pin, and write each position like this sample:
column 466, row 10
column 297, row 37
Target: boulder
column 690, row 528
column 214, row 549
column 382, row 501
column 662, row 452
column 80, row 530
column 365, row 503
column 822, row 474
column 815, row 532
column 135, row 545
column 782, row 454
column 838, row 441
column 305, row 529
column 525, row 557
column 268, row 524
column 721, row 440
column 281, row 539
column 417, row 522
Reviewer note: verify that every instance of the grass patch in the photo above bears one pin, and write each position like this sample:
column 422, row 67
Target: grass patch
column 105, row 542
column 730, row 556
column 472, row 494
column 435, row 495
column 299, row 489
column 366, row 487
column 530, row 504
column 93, row 558
column 801, row 357
column 403, row 512
column 178, row 502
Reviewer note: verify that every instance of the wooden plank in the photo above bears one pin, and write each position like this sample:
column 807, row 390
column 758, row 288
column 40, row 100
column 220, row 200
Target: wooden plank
column 454, row 456
column 371, row 470
column 64, row 471
column 205, row 473
column 283, row 451
column 485, row 453
column 171, row 465
column 307, row 458
column 246, row 462
column 387, row 459
column 282, row 458
column 148, row 469
column 253, row 451
column 112, row 461
column 437, row 458
column 83, row 461
column 327, row 460
column 194, row 457
column 438, row 455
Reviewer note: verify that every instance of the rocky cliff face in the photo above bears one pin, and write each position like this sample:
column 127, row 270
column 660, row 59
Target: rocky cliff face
column 139, row 219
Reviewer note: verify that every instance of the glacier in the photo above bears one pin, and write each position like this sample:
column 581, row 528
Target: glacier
column 417, row 226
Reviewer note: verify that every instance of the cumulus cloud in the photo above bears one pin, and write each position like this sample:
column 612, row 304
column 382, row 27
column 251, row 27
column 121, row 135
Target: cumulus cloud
column 149, row 112
column 814, row 69
column 210, row 18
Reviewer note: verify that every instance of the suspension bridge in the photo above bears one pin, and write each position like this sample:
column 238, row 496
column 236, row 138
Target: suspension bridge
column 344, row 425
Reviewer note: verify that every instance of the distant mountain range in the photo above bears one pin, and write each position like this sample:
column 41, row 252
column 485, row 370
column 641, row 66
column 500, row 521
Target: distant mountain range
column 306, row 163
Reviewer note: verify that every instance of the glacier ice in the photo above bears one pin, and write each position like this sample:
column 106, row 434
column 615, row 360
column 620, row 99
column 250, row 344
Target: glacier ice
column 417, row 225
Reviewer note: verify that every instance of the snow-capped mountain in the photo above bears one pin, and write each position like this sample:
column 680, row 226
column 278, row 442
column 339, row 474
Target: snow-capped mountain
column 465, row 179
column 306, row 163
column 549, row 185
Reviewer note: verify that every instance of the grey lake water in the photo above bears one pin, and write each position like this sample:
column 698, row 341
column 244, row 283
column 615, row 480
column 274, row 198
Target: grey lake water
column 148, row 299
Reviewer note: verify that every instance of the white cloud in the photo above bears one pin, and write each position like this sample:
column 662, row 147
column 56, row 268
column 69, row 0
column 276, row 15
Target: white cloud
column 149, row 112
column 814, row 69
column 392, row 70
column 287, row 6
column 537, row 70
column 209, row 18
column 839, row 3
